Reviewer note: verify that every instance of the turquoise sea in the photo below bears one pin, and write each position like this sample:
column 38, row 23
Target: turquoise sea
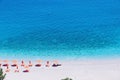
column 59, row 29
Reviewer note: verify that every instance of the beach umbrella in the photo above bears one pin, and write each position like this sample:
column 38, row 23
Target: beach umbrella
column 26, row 68
column 38, row 63
column 14, row 63
column 5, row 63
column 55, row 63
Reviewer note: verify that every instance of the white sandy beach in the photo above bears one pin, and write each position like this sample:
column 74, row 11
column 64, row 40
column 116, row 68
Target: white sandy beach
column 77, row 70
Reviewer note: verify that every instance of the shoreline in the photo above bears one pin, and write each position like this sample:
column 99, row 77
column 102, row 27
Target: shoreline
column 94, row 69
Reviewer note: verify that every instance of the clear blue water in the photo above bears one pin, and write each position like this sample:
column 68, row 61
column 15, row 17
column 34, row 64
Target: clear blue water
column 64, row 29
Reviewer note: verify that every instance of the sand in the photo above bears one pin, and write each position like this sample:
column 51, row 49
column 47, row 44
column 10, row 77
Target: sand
column 77, row 70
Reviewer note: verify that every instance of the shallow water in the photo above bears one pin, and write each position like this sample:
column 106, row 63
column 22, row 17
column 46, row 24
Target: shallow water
column 59, row 28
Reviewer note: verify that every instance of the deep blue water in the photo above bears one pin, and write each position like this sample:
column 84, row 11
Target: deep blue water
column 59, row 28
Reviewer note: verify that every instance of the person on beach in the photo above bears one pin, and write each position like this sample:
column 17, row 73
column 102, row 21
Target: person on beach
column 47, row 64
column 16, row 70
column 22, row 64
column 7, row 69
column 30, row 64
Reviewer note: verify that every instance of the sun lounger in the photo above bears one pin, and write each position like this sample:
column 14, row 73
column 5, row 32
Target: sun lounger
column 38, row 65
column 56, row 65
column 5, row 65
column 26, row 71
column 14, row 65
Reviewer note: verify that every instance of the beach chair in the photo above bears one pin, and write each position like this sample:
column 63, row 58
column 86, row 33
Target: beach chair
column 26, row 69
column 14, row 63
column 56, row 64
column 5, row 63
column 38, row 63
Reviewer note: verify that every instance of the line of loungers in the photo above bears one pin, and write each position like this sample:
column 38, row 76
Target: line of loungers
column 26, row 67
